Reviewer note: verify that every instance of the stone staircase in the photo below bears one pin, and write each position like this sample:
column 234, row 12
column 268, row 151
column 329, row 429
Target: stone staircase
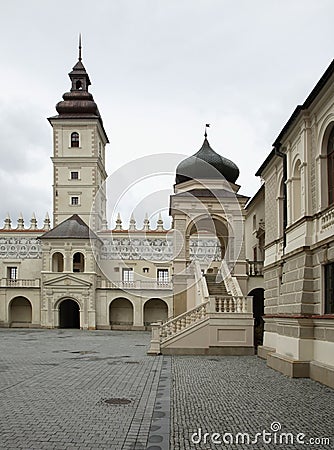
column 216, row 287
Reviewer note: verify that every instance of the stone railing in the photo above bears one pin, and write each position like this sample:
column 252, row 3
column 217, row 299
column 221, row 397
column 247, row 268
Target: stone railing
column 183, row 321
column 231, row 283
column 201, row 286
column 327, row 219
column 161, row 332
column 138, row 284
column 254, row 268
column 7, row 282
column 235, row 304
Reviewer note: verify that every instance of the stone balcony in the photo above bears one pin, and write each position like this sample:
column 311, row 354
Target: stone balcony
column 254, row 268
column 137, row 285
column 20, row 283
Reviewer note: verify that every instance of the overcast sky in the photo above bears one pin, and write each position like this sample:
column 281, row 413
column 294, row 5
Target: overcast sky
column 159, row 70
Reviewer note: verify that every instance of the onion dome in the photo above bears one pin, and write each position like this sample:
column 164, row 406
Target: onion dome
column 206, row 164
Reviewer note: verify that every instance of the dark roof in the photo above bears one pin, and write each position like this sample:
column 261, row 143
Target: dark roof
column 206, row 164
column 307, row 103
column 72, row 228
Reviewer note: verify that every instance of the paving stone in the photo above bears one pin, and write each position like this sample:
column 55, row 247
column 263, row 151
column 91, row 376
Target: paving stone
column 52, row 390
column 241, row 394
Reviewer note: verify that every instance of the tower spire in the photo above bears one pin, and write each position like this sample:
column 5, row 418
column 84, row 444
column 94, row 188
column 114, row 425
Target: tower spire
column 80, row 58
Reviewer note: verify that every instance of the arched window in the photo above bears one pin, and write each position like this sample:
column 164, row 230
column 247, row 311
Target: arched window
column 280, row 211
column 75, row 139
column 330, row 168
column 57, row 262
column 78, row 262
column 78, row 85
column 296, row 192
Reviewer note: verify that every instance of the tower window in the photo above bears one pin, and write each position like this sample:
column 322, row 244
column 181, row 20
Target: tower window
column 78, row 85
column 75, row 139
column 74, row 175
column 74, row 201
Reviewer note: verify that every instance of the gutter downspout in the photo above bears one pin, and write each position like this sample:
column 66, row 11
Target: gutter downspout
column 285, row 209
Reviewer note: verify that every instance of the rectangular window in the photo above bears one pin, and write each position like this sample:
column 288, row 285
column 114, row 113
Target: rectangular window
column 329, row 288
column 74, row 175
column 74, row 201
column 127, row 275
column 162, row 276
column 12, row 273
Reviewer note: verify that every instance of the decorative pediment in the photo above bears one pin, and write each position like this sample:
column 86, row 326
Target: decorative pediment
column 68, row 281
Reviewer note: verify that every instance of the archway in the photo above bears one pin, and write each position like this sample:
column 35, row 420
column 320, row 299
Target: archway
column 258, row 312
column 121, row 312
column 69, row 314
column 155, row 309
column 20, row 312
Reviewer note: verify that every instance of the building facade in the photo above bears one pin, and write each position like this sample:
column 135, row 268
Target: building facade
column 299, row 242
column 202, row 283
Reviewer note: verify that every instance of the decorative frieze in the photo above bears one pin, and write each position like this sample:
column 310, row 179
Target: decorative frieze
column 158, row 249
column 19, row 248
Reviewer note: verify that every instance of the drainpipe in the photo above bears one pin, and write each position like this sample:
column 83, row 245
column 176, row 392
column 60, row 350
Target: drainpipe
column 285, row 209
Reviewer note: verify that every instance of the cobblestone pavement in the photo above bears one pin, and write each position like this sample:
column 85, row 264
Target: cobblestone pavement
column 54, row 383
column 241, row 394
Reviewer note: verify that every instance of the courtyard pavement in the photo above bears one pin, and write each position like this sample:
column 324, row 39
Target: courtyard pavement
column 72, row 389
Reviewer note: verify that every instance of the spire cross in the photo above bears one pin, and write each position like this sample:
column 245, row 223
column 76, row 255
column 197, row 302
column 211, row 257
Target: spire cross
column 207, row 125
column 80, row 47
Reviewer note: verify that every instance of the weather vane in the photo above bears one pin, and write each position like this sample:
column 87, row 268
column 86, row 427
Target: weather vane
column 207, row 125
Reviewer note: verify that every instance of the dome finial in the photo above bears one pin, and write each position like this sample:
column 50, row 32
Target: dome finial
column 80, row 58
column 207, row 125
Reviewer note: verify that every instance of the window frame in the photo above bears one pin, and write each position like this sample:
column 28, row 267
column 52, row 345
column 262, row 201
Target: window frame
column 330, row 168
column 128, row 278
column 164, row 279
column 329, row 288
column 75, row 203
column 75, row 140
column 74, row 172
column 10, row 270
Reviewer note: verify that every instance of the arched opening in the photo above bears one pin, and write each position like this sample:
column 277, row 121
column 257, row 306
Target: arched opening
column 121, row 312
column 207, row 239
column 78, row 85
column 258, row 312
column 75, row 139
column 78, row 262
column 155, row 309
column 296, row 192
column 20, row 312
column 69, row 314
column 330, row 168
column 57, row 262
